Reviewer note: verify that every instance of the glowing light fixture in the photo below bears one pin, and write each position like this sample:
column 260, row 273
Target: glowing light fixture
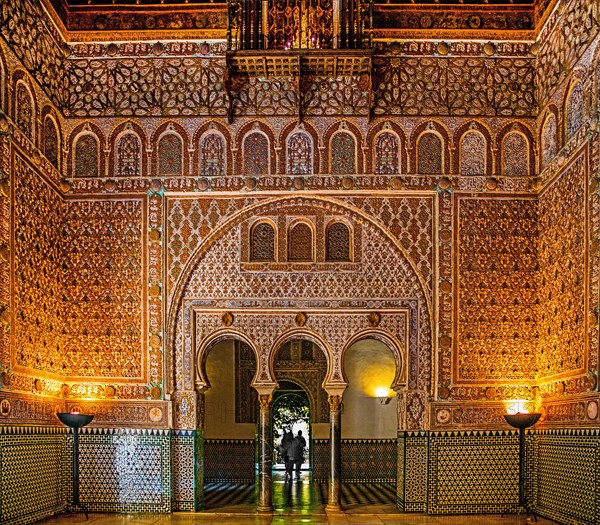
column 382, row 394
column 517, row 406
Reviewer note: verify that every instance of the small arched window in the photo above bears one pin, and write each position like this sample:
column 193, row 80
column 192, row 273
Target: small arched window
column 129, row 158
column 515, row 155
column 575, row 110
column 299, row 154
column 86, row 156
column 472, row 154
column 343, row 154
column 549, row 148
column 386, row 154
column 429, row 153
column 51, row 145
column 24, row 110
column 256, row 154
column 337, row 247
column 212, row 155
column 170, row 151
column 300, row 242
column 262, row 242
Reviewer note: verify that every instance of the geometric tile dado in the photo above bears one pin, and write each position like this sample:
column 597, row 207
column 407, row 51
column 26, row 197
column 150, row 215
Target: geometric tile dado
column 32, row 481
column 125, row 470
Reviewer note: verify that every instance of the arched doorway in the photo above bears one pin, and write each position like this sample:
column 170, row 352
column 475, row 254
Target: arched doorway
column 291, row 413
column 369, row 426
column 230, row 419
column 219, row 290
column 300, row 367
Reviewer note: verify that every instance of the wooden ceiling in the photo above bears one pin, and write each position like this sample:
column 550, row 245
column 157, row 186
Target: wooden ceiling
column 103, row 20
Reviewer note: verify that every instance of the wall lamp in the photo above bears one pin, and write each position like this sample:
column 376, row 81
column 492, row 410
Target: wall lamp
column 382, row 394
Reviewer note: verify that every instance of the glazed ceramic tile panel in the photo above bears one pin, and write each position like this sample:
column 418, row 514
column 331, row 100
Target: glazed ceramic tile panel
column 566, row 474
column 472, row 472
column 125, row 470
column 369, row 460
column 415, row 475
column 229, row 460
column 32, row 466
column 183, row 474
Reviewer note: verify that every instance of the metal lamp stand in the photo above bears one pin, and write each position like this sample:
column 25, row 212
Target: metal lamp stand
column 521, row 421
column 75, row 421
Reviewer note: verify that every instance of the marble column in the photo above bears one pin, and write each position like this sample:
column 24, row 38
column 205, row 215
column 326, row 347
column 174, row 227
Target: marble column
column 335, row 478
column 265, row 447
column 199, row 452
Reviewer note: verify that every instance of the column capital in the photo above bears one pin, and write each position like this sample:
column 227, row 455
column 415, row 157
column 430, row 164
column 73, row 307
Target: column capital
column 335, row 402
column 265, row 401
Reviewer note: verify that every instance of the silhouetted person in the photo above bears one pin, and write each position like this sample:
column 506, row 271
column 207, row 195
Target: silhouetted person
column 299, row 461
column 295, row 455
column 286, row 445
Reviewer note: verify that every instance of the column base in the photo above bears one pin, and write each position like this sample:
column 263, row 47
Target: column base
column 333, row 508
column 264, row 510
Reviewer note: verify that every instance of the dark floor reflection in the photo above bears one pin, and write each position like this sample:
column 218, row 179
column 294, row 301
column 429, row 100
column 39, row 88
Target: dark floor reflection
column 298, row 494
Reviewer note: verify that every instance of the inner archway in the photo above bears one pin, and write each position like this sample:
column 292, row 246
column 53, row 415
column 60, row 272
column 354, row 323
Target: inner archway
column 291, row 414
column 300, row 404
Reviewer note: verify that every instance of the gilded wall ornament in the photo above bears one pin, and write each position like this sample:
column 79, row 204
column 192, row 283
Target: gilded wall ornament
column 301, row 319
column 374, row 319
column 227, row 319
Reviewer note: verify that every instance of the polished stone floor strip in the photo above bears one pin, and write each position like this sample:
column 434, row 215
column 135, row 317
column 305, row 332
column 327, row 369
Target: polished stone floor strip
column 341, row 518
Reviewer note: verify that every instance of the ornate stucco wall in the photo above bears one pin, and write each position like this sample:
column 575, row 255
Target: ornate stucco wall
column 484, row 272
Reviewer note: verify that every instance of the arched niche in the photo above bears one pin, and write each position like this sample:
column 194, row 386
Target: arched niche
column 230, row 403
column 370, row 403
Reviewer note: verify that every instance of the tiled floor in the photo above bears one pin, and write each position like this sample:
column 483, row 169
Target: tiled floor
column 295, row 502
column 298, row 496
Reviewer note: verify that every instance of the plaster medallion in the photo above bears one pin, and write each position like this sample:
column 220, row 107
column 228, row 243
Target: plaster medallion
column 155, row 414
column 446, row 235
column 445, row 183
column 155, row 392
column 491, row 183
column 443, row 416
column 396, row 183
column 154, row 235
column 592, row 410
column 110, row 391
column 156, row 185
column 300, row 318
